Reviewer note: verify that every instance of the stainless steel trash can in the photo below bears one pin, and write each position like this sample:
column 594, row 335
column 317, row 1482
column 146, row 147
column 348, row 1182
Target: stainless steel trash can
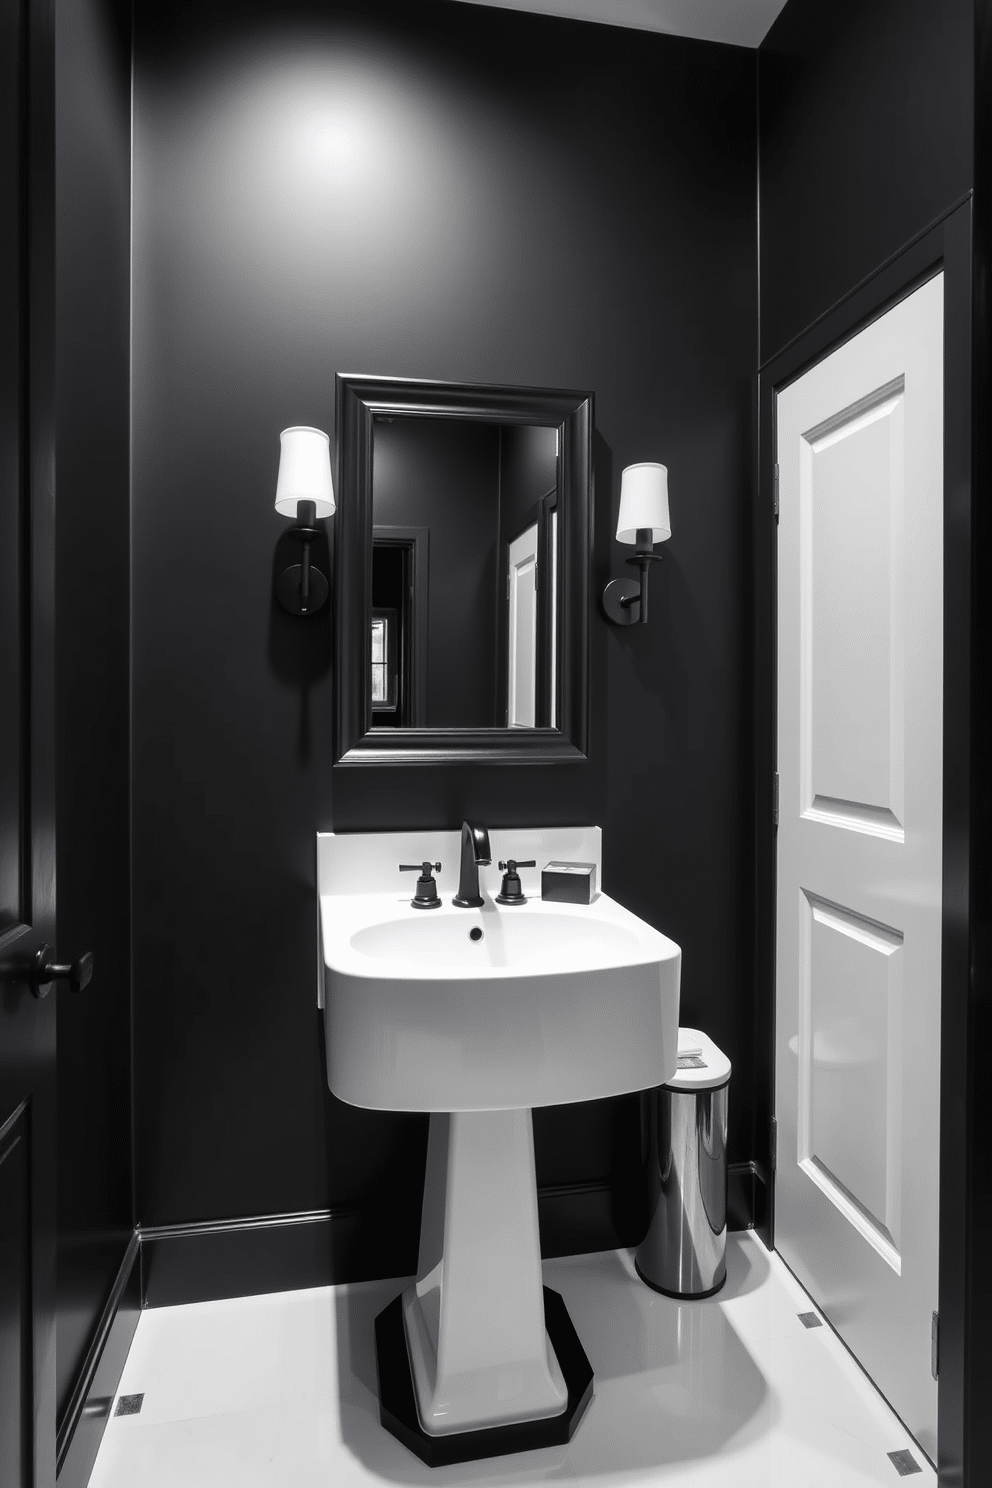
column 684, row 1252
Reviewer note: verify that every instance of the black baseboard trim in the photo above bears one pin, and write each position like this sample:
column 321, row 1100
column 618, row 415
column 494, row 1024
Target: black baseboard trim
column 577, row 1218
column 82, row 1427
column 285, row 1252
column 325, row 1247
column 273, row 1253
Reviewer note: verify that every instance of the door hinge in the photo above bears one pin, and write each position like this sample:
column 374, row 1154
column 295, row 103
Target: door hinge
column 775, row 799
column 775, row 493
column 773, row 1145
column 935, row 1345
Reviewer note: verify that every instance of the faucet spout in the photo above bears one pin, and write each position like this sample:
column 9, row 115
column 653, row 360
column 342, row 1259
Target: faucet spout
column 475, row 852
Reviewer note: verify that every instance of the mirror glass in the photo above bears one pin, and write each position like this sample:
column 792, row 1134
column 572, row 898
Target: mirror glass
column 465, row 573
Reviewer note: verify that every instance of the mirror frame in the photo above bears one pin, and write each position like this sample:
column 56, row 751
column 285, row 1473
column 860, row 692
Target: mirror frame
column 358, row 399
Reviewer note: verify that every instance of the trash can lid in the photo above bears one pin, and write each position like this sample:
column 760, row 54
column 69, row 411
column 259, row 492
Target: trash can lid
column 702, row 1066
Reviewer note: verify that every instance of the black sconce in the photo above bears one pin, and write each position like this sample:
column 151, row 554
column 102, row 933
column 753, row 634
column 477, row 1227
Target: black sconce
column 304, row 491
column 643, row 520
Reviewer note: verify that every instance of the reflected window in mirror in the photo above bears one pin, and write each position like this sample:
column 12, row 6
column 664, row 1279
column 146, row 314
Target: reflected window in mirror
column 385, row 670
column 400, row 580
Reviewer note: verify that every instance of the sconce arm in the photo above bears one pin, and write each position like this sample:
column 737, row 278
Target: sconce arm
column 642, row 560
column 302, row 589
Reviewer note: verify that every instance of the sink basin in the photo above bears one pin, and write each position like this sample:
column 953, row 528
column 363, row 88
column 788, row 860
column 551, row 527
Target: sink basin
column 477, row 1015
column 550, row 1003
column 528, row 939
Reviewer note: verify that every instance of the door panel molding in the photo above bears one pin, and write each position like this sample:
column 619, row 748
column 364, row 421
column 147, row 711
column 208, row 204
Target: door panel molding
column 828, row 1077
column 853, row 775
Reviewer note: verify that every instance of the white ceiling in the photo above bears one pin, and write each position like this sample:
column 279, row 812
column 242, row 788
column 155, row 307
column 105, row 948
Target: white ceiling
column 743, row 22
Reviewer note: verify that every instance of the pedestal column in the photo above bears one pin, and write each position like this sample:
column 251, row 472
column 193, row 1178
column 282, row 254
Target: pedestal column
column 474, row 1319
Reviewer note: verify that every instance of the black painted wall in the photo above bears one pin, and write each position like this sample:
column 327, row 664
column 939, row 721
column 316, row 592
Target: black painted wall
column 444, row 475
column 866, row 124
column 435, row 190
column 92, row 560
column 528, row 470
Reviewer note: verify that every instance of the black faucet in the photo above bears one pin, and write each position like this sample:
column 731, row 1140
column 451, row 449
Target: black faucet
column 475, row 851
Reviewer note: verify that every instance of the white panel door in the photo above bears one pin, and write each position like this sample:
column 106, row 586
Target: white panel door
column 860, row 685
column 522, row 630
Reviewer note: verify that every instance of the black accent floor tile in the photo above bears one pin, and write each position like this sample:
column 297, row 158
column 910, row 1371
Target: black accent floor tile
column 904, row 1463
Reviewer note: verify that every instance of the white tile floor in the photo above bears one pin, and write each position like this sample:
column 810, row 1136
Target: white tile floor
column 733, row 1390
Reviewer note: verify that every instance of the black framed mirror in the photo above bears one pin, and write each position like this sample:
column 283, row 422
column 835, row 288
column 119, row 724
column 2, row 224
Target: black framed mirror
column 462, row 551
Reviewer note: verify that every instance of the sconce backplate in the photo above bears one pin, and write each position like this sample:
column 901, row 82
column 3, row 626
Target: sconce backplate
column 615, row 591
column 288, row 590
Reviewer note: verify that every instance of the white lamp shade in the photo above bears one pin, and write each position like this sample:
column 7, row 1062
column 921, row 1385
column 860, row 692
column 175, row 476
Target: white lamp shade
column 644, row 503
column 304, row 471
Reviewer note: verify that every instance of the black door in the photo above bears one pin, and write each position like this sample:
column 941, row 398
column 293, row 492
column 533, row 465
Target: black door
column 27, row 746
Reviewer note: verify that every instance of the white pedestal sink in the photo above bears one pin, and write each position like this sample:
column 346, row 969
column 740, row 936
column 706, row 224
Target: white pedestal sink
column 477, row 1016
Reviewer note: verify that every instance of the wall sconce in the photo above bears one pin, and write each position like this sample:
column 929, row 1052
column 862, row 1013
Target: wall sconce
column 643, row 520
column 304, row 490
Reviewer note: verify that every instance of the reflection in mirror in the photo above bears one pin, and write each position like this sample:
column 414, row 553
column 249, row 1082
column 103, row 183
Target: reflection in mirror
column 385, row 672
column 464, row 628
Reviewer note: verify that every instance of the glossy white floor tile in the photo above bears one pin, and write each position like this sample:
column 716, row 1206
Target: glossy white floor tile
column 733, row 1390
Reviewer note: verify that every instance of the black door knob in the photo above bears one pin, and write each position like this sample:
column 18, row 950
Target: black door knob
column 45, row 970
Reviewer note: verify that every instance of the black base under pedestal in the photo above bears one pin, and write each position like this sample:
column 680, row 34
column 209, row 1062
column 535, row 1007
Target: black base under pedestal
column 398, row 1405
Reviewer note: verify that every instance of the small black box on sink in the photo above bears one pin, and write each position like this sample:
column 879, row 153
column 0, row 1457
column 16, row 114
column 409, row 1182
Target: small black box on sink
column 569, row 883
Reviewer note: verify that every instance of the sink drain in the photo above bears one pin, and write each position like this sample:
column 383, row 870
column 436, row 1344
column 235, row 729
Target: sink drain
column 475, row 933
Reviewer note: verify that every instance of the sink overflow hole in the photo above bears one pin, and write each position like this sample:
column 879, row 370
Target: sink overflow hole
column 475, row 933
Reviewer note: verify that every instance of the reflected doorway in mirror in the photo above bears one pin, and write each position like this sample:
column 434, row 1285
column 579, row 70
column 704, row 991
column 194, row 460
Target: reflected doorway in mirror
column 401, row 597
column 521, row 622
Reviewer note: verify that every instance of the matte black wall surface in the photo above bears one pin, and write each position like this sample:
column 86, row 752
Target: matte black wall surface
column 443, row 191
column 443, row 474
column 866, row 121
column 92, row 557
column 528, row 470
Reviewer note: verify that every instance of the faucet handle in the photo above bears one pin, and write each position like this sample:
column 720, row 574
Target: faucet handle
column 425, row 894
column 512, row 892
